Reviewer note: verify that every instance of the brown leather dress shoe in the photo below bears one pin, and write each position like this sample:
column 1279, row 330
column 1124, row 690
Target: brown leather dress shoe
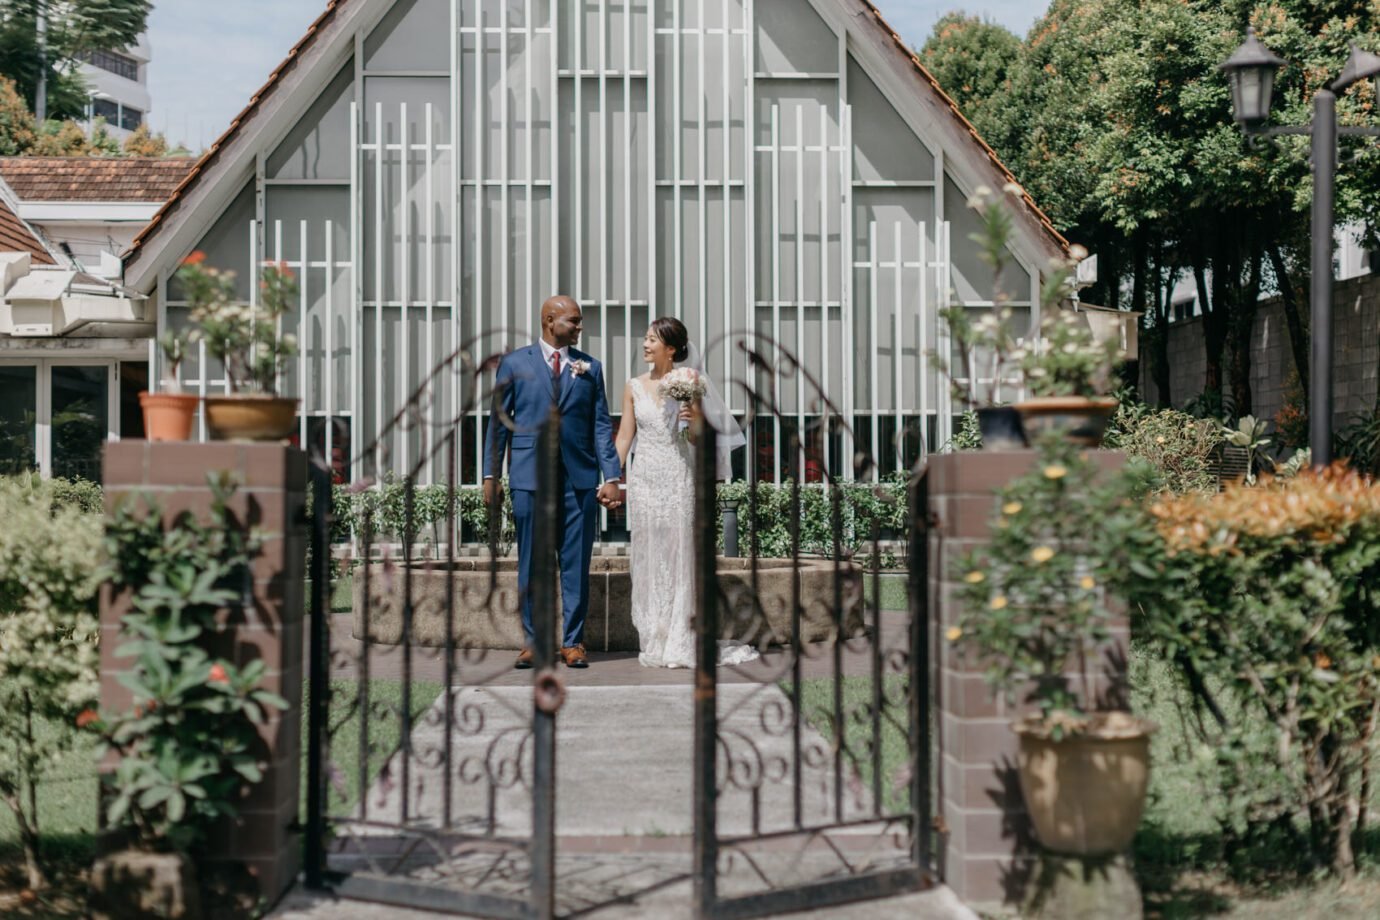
column 524, row 659
column 574, row 656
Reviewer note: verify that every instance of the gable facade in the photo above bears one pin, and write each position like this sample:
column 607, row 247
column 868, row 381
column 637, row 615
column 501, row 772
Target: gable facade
column 432, row 170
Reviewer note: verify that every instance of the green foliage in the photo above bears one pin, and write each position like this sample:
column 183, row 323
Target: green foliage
column 859, row 505
column 243, row 337
column 970, row 57
column 73, row 31
column 384, row 509
column 189, row 746
column 1262, row 599
column 969, row 433
column 49, row 550
column 16, row 121
column 1031, row 601
column 1067, row 360
column 1359, row 442
column 1176, row 446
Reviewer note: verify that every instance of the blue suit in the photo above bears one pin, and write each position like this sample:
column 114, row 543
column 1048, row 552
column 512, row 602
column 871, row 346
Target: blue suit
column 527, row 388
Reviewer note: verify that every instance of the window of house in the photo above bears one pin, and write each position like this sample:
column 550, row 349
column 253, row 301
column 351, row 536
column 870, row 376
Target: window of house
column 130, row 118
column 118, row 64
column 108, row 109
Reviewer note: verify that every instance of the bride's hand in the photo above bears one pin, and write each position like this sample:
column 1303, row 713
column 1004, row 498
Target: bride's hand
column 687, row 414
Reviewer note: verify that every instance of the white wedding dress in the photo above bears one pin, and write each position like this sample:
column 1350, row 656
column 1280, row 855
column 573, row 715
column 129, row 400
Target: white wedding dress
column 661, row 518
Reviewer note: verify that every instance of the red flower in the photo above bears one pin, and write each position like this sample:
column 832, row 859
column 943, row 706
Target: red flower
column 196, row 258
column 218, row 675
column 86, row 717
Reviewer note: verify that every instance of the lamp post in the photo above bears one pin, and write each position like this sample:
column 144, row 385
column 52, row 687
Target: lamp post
column 1251, row 70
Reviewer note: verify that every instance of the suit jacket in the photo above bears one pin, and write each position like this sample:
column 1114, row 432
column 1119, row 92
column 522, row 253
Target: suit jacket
column 526, row 388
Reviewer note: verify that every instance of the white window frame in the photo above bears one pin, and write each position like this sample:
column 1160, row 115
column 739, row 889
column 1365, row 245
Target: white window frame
column 43, row 410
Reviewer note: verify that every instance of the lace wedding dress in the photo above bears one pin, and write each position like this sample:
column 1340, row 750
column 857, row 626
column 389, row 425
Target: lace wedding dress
column 661, row 517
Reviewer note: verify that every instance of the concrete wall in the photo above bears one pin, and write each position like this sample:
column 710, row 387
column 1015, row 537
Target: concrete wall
column 1356, row 354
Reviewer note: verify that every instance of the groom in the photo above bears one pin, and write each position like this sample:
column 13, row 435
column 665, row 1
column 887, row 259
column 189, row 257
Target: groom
column 528, row 381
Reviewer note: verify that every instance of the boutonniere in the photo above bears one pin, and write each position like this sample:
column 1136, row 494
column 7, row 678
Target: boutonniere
column 578, row 368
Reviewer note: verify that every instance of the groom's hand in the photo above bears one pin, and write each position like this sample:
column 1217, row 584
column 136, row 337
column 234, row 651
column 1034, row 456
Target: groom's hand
column 493, row 492
column 610, row 495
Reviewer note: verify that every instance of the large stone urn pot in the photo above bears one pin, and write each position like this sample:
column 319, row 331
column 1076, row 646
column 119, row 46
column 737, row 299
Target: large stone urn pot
column 1081, row 419
column 1085, row 793
column 251, row 417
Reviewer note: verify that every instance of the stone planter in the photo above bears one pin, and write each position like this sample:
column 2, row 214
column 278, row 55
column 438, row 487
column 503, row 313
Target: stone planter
column 168, row 416
column 137, row 883
column 482, row 620
column 1085, row 794
column 1080, row 419
column 1001, row 428
column 251, row 417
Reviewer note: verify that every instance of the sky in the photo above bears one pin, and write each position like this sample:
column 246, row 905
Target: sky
column 210, row 57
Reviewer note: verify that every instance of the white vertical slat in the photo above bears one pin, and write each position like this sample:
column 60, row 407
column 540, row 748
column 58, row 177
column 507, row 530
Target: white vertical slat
column 701, row 171
column 428, row 165
column 825, row 311
column 653, row 256
column 605, row 187
column 555, row 222
column 898, row 369
column 456, row 249
column 378, row 289
column 726, row 174
column 302, row 326
column 922, row 345
column 577, row 173
column 627, row 168
column 677, row 174
column 531, row 297
column 479, row 123
column 357, row 310
column 404, row 285
column 849, row 310
column 328, row 359
column 201, row 389
column 776, row 282
column 504, row 192
column 254, row 280
column 800, row 157
column 749, row 181
column 874, row 389
column 945, row 422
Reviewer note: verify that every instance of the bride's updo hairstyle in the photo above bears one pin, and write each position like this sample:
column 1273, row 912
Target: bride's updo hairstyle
column 673, row 335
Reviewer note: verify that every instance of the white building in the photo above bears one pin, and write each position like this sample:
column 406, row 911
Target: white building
column 118, row 81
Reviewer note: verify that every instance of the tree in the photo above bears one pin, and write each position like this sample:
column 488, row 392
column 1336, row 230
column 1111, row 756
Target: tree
column 16, row 121
column 970, row 56
column 73, row 30
column 143, row 143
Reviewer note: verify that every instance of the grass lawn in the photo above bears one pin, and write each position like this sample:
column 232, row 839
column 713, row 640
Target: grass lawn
column 817, row 704
column 893, row 590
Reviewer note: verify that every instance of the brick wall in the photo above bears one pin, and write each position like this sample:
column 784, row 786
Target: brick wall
column 989, row 852
column 1356, row 354
column 271, row 497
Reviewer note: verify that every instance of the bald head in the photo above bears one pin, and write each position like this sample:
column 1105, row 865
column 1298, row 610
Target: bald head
column 560, row 321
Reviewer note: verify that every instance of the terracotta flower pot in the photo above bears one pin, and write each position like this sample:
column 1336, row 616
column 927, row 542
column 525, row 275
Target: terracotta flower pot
column 1080, row 419
column 251, row 417
column 1085, row 793
column 168, row 416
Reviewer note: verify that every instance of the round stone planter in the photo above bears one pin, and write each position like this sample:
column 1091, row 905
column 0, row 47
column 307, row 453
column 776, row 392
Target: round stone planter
column 251, row 417
column 486, row 608
column 1085, row 793
column 1080, row 419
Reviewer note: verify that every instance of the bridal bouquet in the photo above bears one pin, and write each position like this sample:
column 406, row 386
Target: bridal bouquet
column 684, row 386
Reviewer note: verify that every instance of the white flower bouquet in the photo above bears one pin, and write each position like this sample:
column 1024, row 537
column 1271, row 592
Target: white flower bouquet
column 683, row 385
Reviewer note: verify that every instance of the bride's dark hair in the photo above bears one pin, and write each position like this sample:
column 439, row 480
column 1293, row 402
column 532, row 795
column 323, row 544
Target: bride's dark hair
column 674, row 335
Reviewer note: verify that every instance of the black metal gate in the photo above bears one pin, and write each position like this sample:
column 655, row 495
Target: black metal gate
column 812, row 765
column 431, row 762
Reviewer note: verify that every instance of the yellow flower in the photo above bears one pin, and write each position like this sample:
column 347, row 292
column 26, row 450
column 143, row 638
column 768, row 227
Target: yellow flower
column 1159, row 439
column 1087, row 583
column 974, row 578
column 998, row 602
column 1010, row 507
column 1055, row 471
column 1042, row 553
column 953, row 633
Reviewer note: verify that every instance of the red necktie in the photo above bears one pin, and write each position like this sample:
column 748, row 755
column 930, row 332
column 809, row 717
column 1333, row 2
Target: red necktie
column 555, row 364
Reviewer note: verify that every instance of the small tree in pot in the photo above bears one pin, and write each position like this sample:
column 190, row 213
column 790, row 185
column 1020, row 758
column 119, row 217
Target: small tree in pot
column 1069, row 372
column 1034, row 607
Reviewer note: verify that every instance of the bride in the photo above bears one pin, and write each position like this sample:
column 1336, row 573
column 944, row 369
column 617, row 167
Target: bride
column 661, row 502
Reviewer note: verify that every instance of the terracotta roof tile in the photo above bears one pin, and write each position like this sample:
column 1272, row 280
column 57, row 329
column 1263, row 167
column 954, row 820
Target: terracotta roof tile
column 16, row 237
column 128, row 179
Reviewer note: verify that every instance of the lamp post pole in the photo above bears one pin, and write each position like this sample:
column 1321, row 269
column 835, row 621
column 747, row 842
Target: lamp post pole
column 1324, row 150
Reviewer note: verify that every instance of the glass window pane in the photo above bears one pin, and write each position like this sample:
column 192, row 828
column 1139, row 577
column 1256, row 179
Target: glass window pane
column 80, row 420
column 18, row 416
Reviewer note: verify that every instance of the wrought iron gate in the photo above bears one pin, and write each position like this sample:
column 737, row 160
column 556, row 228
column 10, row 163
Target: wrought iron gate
column 812, row 765
column 431, row 762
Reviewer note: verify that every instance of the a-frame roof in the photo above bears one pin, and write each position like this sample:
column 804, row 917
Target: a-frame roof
column 17, row 236
column 314, row 49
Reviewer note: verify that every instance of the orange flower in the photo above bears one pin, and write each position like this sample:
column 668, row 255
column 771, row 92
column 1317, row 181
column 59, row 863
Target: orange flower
column 218, row 675
column 86, row 717
column 1322, row 661
column 196, row 258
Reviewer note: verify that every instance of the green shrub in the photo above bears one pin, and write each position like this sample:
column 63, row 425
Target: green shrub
column 49, row 559
column 1177, row 446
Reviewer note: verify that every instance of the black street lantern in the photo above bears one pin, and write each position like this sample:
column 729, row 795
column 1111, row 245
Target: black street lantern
column 1251, row 69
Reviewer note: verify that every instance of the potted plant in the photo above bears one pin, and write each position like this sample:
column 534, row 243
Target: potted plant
column 1033, row 606
column 168, row 415
column 188, row 745
column 245, row 339
column 1069, row 371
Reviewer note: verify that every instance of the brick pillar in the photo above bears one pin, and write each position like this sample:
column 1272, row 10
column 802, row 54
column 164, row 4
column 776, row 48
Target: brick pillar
column 989, row 852
column 271, row 496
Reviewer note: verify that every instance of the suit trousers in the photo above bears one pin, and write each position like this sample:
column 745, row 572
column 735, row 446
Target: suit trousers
column 577, row 518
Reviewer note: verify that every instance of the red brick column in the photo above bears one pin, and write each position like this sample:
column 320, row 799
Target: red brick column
column 271, row 497
column 989, row 852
